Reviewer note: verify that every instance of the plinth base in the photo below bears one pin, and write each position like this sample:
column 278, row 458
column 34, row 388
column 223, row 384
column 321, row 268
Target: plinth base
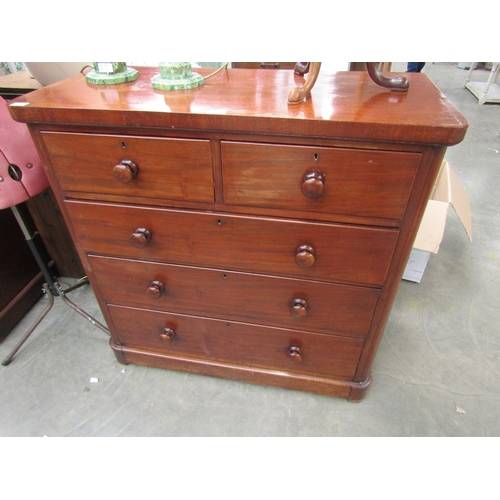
column 191, row 82
column 128, row 75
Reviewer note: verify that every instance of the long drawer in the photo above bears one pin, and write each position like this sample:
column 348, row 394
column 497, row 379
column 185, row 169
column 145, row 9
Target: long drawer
column 282, row 302
column 146, row 167
column 329, row 180
column 321, row 251
column 231, row 342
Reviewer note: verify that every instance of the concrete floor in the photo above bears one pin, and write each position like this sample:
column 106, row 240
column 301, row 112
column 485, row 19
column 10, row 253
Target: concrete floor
column 436, row 374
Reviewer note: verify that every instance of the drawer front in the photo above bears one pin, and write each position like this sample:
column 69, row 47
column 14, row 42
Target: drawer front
column 171, row 169
column 271, row 348
column 281, row 302
column 343, row 253
column 327, row 180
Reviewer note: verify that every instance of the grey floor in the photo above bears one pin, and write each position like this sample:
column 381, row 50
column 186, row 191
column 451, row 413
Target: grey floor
column 436, row 374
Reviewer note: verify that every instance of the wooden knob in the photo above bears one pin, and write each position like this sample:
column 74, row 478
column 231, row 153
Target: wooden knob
column 125, row 171
column 304, row 257
column 294, row 354
column 299, row 308
column 313, row 184
column 140, row 237
column 168, row 335
column 155, row 289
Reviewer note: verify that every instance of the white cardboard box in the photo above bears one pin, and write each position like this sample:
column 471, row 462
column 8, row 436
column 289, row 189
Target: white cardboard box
column 447, row 191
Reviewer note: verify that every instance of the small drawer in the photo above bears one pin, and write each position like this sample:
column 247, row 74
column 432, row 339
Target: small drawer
column 236, row 343
column 251, row 298
column 319, row 251
column 344, row 181
column 146, row 167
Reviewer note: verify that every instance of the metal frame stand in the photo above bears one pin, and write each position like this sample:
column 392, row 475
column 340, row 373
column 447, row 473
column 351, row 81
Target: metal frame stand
column 51, row 288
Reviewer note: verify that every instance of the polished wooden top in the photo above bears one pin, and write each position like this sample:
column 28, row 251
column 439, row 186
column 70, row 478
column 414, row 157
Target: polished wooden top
column 342, row 105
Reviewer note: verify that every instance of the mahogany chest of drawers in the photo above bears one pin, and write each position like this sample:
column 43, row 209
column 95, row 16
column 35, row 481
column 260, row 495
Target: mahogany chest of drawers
column 227, row 233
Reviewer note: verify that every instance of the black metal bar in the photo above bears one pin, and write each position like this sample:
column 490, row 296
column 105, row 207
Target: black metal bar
column 30, row 239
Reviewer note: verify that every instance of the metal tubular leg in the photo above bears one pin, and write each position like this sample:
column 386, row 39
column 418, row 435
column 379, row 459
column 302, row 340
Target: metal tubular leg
column 78, row 284
column 51, row 288
column 9, row 358
column 68, row 302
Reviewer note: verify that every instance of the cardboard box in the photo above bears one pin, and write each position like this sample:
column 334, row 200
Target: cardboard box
column 447, row 191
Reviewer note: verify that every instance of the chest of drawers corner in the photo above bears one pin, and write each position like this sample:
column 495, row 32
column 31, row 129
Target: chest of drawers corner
column 226, row 233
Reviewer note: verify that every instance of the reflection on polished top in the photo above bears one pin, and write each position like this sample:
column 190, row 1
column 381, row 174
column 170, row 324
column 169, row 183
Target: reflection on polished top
column 343, row 104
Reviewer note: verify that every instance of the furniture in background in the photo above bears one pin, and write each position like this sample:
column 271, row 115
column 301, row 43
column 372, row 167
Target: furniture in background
column 21, row 279
column 20, row 286
column 17, row 84
column 361, row 66
column 486, row 92
column 264, row 65
column 22, row 177
column 42, row 208
column 353, row 66
column 227, row 233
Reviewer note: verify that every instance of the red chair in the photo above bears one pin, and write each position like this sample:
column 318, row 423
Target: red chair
column 22, row 176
